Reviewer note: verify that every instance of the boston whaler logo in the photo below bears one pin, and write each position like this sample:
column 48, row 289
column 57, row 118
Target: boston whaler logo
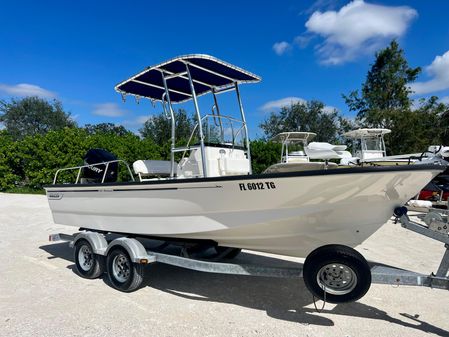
column 55, row 195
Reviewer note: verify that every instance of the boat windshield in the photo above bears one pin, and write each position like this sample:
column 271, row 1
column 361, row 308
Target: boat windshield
column 372, row 144
column 293, row 152
column 224, row 130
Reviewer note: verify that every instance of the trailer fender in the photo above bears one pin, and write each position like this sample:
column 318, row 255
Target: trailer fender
column 135, row 249
column 96, row 240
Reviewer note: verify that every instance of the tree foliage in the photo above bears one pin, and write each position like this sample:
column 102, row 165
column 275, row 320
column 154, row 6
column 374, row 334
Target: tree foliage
column 33, row 160
column 108, row 128
column 311, row 116
column 384, row 102
column 8, row 162
column 33, row 116
column 444, row 126
column 264, row 154
column 386, row 89
column 158, row 128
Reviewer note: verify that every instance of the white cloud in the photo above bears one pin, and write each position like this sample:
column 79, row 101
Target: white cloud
column 142, row 119
column 281, row 47
column 357, row 28
column 278, row 104
column 25, row 89
column 329, row 109
column 108, row 110
column 287, row 101
column 438, row 70
column 444, row 99
column 136, row 122
column 320, row 4
column 302, row 41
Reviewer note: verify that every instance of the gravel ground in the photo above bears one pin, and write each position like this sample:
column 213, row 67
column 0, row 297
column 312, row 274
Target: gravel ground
column 40, row 294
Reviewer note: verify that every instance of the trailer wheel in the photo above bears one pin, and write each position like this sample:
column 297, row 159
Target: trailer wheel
column 227, row 252
column 337, row 274
column 123, row 274
column 88, row 264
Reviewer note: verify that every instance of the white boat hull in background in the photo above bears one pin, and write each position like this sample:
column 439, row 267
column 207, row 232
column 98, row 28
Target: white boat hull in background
column 281, row 214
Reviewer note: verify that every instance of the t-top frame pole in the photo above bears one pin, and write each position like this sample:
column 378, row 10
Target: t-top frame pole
column 217, row 108
column 173, row 126
column 198, row 116
column 237, row 91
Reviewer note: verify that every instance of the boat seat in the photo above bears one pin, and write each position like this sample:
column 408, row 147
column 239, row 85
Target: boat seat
column 152, row 168
column 325, row 151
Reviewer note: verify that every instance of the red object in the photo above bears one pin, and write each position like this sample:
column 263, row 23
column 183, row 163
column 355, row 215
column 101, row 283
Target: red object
column 427, row 195
column 433, row 195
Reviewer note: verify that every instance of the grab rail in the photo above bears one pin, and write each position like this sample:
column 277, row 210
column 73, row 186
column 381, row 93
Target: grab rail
column 214, row 117
column 79, row 168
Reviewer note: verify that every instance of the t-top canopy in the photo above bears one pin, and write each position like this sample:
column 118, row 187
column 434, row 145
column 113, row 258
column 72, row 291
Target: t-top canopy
column 292, row 137
column 208, row 73
column 366, row 133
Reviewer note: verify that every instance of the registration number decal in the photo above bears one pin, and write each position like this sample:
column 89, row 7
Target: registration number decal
column 266, row 185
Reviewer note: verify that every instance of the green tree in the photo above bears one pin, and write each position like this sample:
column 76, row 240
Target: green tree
column 128, row 147
column 158, row 128
column 386, row 89
column 41, row 156
column 9, row 163
column 384, row 102
column 432, row 119
column 264, row 154
column 444, row 126
column 311, row 116
column 33, row 161
column 33, row 116
column 109, row 128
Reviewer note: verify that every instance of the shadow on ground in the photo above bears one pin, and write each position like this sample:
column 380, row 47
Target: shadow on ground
column 284, row 299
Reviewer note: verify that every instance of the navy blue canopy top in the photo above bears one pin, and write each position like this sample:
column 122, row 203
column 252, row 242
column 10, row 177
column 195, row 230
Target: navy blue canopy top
column 208, row 73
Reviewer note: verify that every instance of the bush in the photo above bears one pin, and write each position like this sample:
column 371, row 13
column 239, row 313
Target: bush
column 9, row 165
column 33, row 161
column 264, row 154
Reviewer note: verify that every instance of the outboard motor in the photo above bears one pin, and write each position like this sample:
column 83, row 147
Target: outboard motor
column 95, row 173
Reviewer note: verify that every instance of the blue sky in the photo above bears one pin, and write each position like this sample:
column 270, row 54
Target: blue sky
column 77, row 51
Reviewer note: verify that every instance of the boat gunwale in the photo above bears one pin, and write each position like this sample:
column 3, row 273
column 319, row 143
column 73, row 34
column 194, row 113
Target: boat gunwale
column 310, row 173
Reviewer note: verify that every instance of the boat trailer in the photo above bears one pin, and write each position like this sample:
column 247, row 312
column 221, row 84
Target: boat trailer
column 89, row 244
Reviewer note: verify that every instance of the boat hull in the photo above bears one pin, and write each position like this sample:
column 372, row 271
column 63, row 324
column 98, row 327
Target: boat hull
column 289, row 214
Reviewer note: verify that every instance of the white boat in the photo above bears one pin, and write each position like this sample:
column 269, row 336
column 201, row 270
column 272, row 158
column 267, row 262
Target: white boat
column 367, row 144
column 369, row 148
column 299, row 159
column 211, row 193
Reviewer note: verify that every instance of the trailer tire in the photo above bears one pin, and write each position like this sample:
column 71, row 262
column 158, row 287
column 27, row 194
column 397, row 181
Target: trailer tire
column 123, row 274
column 87, row 264
column 337, row 274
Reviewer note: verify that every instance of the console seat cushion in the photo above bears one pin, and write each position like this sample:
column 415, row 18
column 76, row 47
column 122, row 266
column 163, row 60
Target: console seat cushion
column 152, row 167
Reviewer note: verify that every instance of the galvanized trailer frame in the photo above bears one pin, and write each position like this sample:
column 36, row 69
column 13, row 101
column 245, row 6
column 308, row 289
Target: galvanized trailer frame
column 380, row 274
